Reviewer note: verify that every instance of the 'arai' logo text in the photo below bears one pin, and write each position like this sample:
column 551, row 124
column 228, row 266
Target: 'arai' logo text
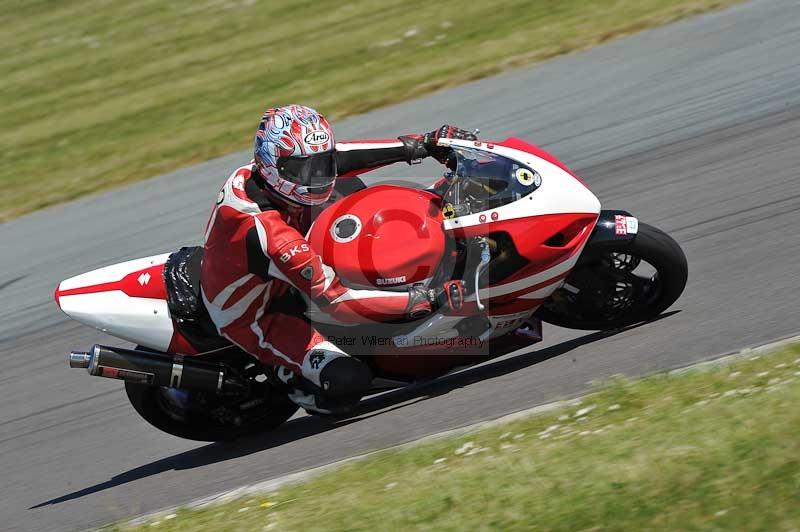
column 315, row 138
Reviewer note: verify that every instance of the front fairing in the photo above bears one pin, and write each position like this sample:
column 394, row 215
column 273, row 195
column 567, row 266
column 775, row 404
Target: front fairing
column 480, row 180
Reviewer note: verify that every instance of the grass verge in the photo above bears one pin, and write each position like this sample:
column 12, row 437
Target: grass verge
column 710, row 449
column 98, row 93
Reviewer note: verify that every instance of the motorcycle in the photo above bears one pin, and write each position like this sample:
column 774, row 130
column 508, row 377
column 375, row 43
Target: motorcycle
column 525, row 233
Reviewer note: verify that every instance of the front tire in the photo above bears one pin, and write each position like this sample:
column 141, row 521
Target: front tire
column 604, row 292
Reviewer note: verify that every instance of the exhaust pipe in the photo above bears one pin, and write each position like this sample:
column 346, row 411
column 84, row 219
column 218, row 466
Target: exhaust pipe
column 79, row 359
column 157, row 370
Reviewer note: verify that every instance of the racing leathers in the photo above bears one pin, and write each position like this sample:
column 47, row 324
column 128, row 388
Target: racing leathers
column 255, row 250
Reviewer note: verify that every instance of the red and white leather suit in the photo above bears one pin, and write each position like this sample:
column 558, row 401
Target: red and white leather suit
column 254, row 252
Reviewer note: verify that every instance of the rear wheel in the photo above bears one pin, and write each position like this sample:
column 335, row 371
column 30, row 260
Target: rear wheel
column 620, row 283
column 209, row 417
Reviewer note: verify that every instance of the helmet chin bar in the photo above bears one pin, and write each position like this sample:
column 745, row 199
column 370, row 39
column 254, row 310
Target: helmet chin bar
column 307, row 200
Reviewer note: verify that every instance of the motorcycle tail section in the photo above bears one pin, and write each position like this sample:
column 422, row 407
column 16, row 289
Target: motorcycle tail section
column 127, row 300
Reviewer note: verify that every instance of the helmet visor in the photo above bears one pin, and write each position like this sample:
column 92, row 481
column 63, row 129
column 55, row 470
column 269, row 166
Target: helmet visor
column 312, row 171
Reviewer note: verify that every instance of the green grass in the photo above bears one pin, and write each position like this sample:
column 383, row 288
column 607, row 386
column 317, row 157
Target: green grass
column 97, row 93
column 710, row 449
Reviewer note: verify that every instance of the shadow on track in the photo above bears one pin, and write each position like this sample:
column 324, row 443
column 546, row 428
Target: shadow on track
column 308, row 426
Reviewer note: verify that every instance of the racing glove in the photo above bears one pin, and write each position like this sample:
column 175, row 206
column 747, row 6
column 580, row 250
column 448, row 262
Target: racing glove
column 422, row 301
column 441, row 153
column 420, row 146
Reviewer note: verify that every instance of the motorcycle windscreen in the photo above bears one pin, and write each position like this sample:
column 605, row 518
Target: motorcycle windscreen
column 482, row 180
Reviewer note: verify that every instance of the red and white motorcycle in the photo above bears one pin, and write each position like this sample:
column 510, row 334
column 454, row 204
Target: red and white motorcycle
column 525, row 233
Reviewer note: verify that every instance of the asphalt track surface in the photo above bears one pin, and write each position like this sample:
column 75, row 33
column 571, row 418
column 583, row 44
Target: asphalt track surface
column 693, row 127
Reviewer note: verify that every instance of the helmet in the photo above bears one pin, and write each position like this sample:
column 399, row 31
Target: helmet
column 294, row 154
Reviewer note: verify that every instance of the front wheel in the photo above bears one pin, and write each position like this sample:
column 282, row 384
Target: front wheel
column 209, row 417
column 616, row 284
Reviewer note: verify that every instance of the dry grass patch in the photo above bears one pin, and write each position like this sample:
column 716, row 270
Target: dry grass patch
column 98, row 93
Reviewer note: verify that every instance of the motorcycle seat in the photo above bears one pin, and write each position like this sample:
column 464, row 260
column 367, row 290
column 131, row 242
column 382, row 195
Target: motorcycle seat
column 182, row 281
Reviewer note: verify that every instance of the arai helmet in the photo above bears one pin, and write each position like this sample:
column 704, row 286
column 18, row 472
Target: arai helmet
column 294, row 154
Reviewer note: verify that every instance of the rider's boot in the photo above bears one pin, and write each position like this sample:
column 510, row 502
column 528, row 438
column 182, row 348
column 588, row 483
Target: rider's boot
column 343, row 382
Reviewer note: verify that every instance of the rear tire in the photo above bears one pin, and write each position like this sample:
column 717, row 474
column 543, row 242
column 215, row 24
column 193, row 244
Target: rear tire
column 195, row 423
column 652, row 246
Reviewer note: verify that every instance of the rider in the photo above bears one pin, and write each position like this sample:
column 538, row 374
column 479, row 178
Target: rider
column 255, row 250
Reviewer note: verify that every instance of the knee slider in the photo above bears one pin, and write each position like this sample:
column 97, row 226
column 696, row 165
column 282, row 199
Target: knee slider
column 345, row 376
